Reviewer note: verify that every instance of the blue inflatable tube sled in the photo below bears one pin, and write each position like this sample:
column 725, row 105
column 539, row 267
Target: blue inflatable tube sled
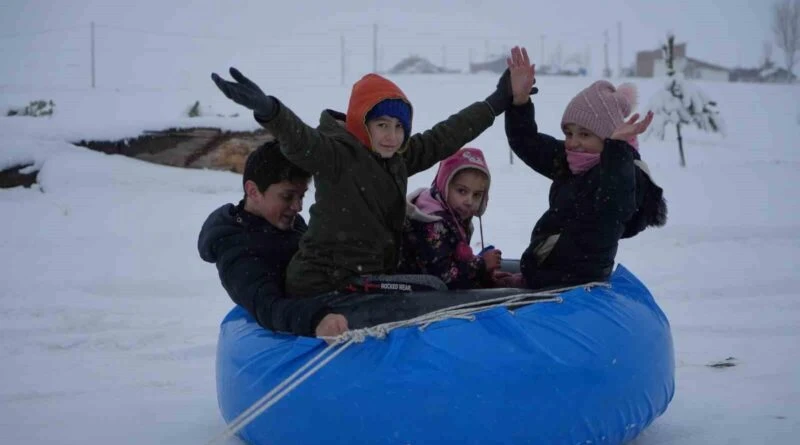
column 595, row 367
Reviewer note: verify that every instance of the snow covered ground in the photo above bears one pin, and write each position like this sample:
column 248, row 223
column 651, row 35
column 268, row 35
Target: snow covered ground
column 109, row 319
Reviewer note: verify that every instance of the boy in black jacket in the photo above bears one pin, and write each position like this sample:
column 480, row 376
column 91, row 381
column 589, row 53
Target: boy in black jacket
column 251, row 244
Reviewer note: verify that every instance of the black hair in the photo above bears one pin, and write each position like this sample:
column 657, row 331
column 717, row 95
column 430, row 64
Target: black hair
column 267, row 165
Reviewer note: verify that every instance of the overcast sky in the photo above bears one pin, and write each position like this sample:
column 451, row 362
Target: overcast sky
column 724, row 32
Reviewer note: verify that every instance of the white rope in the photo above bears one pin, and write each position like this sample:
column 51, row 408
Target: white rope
column 465, row 310
column 347, row 339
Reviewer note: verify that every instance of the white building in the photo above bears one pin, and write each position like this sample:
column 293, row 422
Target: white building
column 693, row 69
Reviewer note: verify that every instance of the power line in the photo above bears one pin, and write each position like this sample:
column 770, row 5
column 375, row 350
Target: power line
column 167, row 34
column 206, row 36
column 122, row 29
column 36, row 33
column 43, row 50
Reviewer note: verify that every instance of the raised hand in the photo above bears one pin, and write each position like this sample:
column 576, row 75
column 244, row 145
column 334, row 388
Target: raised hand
column 505, row 279
column 522, row 75
column 632, row 127
column 504, row 95
column 247, row 94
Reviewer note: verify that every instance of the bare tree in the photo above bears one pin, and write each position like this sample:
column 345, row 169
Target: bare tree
column 766, row 60
column 786, row 26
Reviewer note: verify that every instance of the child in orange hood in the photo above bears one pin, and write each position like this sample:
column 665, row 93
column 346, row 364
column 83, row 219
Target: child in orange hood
column 360, row 172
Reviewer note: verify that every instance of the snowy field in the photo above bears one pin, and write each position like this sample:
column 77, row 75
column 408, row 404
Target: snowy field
column 109, row 319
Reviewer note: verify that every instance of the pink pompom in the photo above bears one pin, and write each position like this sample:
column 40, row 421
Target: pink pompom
column 464, row 252
column 629, row 91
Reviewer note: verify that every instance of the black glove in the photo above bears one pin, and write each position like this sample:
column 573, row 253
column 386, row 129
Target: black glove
column 502, row 98
column 246, row 93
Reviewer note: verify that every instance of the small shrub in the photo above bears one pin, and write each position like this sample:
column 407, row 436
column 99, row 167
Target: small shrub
column 194, row 110
column 36, row 108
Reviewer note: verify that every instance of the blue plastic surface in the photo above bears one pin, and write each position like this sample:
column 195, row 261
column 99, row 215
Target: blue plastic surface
column 597, row 368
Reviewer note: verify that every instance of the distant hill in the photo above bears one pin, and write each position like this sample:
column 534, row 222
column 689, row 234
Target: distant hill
column 496, row 64
column 419, row 65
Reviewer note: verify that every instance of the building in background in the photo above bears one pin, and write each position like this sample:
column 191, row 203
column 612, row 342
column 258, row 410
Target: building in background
column 767, row 73
column 652, row 64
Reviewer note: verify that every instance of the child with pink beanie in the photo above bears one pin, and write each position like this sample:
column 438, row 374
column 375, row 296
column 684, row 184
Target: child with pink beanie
column 439, row 226
column 601, row 191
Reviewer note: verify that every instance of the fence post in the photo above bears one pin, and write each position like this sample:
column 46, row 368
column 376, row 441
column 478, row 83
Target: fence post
column 342, row 49
column 92, row 52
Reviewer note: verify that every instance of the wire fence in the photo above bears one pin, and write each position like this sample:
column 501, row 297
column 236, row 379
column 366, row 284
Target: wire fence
column 104, row 56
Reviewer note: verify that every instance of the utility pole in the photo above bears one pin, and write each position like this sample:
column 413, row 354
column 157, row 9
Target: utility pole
column 606, row 70
column 92, row 52
column 471, row 58
column 619, row 50
column 375, row 48
column 342, row 52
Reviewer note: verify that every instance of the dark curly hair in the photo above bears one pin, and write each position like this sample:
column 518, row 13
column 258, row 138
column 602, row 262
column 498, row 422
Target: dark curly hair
column 267, row 165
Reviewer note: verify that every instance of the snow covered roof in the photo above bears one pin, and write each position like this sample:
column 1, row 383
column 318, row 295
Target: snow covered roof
column 697, row 63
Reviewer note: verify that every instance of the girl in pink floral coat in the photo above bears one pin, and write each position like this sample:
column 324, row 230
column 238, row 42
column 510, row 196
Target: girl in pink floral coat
column 439, row 226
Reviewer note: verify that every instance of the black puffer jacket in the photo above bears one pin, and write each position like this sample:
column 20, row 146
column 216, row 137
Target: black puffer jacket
column 251, row 256
column 588, row 213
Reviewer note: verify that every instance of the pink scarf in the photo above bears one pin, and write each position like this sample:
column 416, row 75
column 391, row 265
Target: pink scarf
column 580, row 162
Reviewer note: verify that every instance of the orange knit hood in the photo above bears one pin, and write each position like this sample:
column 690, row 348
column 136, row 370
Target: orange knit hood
column 368, row 92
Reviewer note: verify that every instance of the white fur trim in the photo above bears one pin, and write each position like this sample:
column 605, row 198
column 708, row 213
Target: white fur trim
column 645, row 168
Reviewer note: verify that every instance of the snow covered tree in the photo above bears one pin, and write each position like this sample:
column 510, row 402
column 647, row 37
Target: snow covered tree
column 786, row 26
column 681, row 103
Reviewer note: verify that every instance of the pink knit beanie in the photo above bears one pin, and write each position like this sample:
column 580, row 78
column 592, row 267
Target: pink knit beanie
column 601, row 107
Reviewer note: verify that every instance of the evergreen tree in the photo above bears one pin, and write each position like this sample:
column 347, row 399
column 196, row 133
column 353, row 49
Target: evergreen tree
column 681, row 103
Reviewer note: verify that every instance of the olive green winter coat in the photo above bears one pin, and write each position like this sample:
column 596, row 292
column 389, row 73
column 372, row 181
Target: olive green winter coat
column 356, row 221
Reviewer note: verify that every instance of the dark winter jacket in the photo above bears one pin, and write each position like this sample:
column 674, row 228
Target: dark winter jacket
column 356, row 221
column 251, row 256
column 438, row 244
column 576, row 239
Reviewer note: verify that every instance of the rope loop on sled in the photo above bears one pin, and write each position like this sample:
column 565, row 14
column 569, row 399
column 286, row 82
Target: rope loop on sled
column 338, row 344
